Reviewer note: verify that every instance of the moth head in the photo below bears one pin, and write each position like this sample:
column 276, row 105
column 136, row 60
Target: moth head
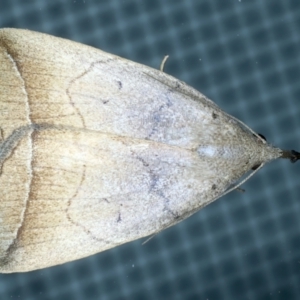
column 292, row 155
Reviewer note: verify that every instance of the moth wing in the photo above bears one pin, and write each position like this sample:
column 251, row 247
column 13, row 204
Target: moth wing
column 91, row 191
column 69, row 84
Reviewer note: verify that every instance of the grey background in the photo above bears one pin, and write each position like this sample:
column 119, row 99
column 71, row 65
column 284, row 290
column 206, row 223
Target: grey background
column 244, row 55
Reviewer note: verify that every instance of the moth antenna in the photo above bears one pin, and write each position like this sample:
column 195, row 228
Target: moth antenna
column 292, row 155
column 149, row 238
column 236, row 186
column 260, row 136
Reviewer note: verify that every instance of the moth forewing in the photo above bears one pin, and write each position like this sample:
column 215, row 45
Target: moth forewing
column 97, row 151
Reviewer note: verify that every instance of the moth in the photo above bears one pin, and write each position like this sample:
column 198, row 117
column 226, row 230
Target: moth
column 97, row 151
